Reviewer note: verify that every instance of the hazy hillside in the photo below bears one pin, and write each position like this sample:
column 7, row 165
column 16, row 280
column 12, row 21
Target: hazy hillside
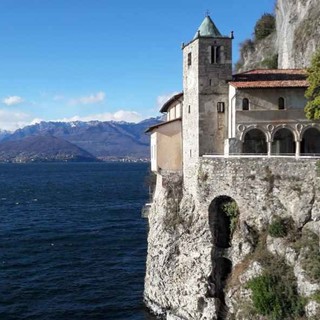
column 107, row 140
column 42, row 148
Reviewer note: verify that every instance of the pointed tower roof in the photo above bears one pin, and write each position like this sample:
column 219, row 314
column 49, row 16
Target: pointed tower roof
column 208, row 29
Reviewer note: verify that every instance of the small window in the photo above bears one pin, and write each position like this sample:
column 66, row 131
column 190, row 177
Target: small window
column 189, row 109
column 245, row 104
column 189, row 58
column 220, row 107
column 190, row 153
column 216, row 53
column 210, row 82
column 281, row 103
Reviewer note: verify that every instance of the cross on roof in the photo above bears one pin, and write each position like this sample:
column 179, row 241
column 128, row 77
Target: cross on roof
column 207, row 13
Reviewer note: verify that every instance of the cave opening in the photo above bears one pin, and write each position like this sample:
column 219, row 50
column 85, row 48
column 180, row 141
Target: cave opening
column 223, row 218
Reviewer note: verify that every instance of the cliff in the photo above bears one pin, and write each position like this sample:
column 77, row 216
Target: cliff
column 237, row 240
column 296, row 38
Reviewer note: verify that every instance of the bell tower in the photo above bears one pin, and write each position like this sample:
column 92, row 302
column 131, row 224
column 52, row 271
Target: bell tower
column 207, row 66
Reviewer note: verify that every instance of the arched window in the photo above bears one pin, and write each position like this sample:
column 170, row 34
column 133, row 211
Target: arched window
column 283, row 142
column 245, row 104
column 255, row 142
column 311, row 141
column 281, row 103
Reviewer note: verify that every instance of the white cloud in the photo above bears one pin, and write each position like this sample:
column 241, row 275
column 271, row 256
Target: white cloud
column 91, row 99
column 12, row 100
column 161, row 100
column 14, row 120
column 121, row 115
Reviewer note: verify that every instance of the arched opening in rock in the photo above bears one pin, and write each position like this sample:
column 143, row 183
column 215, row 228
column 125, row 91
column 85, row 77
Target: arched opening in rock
column 223, row 220
column 223, row 215
column 255, row 142
column 311, row 141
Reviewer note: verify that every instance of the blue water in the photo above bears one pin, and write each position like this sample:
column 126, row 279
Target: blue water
column 72, row 241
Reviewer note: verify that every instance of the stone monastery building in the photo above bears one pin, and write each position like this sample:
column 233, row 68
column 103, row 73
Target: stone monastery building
column 255, row 113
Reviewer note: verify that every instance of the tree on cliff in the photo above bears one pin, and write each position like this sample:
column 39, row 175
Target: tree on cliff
column 264, row 26
column 312, row 109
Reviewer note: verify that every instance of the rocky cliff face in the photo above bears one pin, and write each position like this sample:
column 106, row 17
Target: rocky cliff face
column 296, row 38
column 298, row 32
column 207, row 258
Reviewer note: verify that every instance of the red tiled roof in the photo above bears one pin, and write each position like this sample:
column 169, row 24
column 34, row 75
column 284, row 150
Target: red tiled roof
column 271, row 78
column 276, row 71
column 270, row 84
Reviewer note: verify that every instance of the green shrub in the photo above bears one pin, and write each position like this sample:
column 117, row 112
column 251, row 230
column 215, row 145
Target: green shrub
column 271, row 63
column 277, row 228
column 232, row 211
column 310, row 261
column 315, row 297
column 264, row 26
column 275, row 298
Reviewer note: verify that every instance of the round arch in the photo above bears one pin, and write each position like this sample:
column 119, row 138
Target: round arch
column 310, row 143
column 255, row 142
column 283, row 142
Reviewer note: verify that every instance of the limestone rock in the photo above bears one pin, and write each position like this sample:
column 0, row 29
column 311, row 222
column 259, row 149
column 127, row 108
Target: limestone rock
column 295, row 40
column 185, row 265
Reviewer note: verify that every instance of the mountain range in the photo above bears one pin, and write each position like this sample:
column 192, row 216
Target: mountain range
column 77, row 141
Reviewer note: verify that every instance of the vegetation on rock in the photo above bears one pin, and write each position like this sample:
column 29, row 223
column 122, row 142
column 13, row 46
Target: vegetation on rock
column 274, row 292
column 278, row 228
column 264, row 26
column 232, row 211
column 271, row 63
column 275, row 297
column 308, row 245
column 312, row 109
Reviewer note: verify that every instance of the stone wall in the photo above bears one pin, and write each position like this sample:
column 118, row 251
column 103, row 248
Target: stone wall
column 181, row 250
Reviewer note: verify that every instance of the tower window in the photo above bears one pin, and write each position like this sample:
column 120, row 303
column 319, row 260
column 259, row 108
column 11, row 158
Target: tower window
column 189, row 109
column 189, row 58
column 220, row 107
column 281, row 104
column 216, row 54
column 245, row 104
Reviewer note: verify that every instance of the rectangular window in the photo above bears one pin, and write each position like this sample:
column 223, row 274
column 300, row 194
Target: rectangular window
column 212, row 55
column 220, row 107
column 189, row 59
column 189, row 109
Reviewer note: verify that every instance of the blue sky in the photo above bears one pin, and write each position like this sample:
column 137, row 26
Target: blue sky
column 102, row 59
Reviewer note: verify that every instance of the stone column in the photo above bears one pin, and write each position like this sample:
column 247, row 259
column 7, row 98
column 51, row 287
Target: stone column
column 269, row 148
column 298, row 144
